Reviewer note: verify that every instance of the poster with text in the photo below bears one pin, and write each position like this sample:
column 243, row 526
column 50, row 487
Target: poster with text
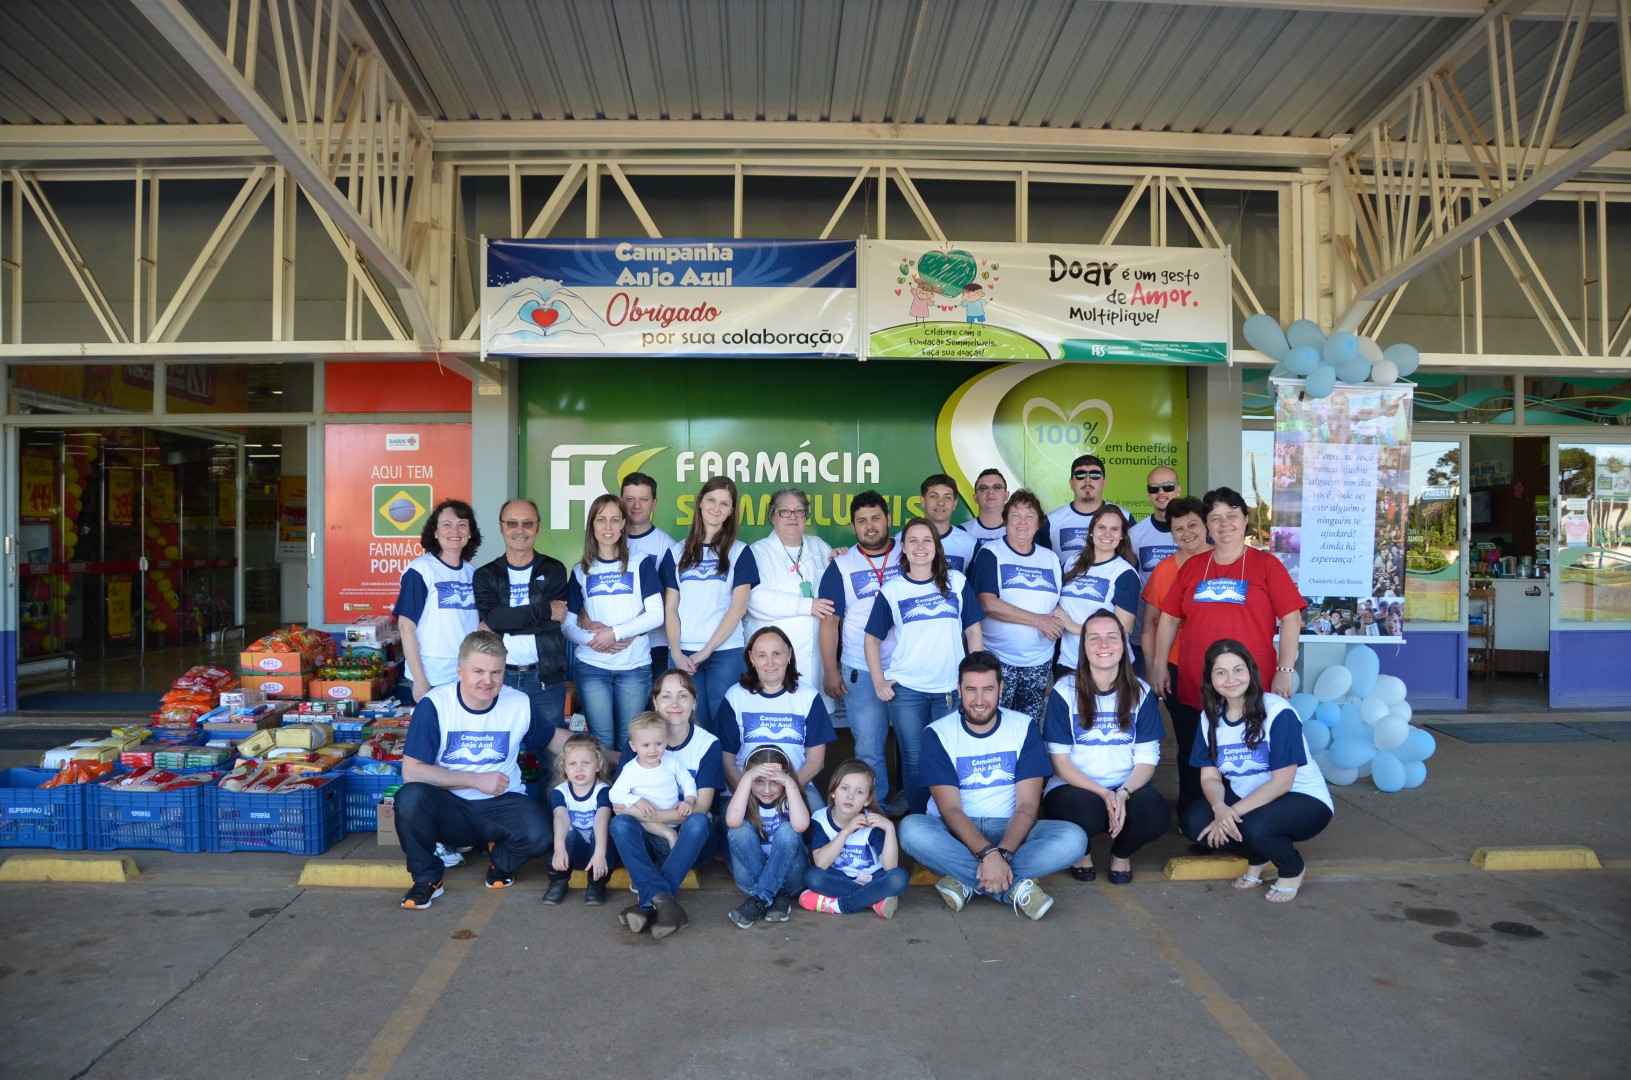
column 1341, row 496
column 291, row 518
column 977, row 301
column 668, row 297
column 836, row 432
column 381, row 482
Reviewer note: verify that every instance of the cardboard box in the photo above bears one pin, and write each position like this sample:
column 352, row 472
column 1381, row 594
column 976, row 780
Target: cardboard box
column 348, row 689
column 242, row 698
column 271, row 663
column 385, row 823
column 277, row 686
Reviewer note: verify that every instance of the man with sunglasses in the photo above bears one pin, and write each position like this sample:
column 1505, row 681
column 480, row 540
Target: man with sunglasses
column 522, row 595
column 1066, row 531
column 1152, row 537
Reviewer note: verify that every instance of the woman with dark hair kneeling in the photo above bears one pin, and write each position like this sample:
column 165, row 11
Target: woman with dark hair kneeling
column 1262, row 790
column 1103, row 731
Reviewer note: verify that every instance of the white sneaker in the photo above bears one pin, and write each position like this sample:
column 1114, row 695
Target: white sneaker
column 1029, row 899
column 953, row 892
column 449, row 857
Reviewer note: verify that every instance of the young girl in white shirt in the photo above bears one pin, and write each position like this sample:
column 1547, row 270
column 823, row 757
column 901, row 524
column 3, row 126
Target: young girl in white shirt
column 582, row 813
column 854, row 853
column 766, row 820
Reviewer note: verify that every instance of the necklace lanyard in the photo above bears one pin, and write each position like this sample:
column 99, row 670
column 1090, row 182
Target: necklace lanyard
column 806, row 590
column 879, row 571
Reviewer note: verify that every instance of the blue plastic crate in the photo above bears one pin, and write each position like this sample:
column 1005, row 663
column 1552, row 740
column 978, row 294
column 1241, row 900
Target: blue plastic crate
column 162, row 820
column 362, row 794
column 306, row 822
column 32, row 817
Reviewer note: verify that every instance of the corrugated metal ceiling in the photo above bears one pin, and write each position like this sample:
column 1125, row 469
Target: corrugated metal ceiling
column 1064, row 64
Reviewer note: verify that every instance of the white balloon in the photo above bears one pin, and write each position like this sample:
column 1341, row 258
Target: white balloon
column 1391, row 733
column 1333, row 682
column 1403, row 711
column 1390, row 688
column 1341, row 777
column 1373, row 710
column 1384, row 373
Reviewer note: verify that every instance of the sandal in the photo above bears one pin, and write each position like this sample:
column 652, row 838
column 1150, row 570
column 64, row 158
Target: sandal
column 1247, row 881
column 1280, row 894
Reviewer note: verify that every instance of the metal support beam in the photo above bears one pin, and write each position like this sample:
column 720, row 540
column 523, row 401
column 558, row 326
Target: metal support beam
column 201, row 53
column 215, row 252
column 57, row 233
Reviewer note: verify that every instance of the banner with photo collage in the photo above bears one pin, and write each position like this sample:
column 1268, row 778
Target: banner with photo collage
column 1341, row 495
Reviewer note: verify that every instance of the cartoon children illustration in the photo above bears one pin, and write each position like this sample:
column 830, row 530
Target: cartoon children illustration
column 974, row 299
column 921, row 295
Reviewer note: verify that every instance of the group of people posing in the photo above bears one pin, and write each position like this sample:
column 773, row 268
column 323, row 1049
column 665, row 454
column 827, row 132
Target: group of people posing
column 1018, row 658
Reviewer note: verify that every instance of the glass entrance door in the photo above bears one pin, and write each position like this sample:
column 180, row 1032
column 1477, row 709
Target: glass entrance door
column 1590, row 549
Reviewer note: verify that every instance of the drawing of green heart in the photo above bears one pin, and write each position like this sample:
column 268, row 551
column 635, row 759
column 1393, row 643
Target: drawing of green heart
column 1060, row 436
column 947, row 271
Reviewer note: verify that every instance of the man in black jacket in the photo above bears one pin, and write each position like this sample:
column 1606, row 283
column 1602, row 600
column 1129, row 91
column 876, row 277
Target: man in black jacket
column 522, row 595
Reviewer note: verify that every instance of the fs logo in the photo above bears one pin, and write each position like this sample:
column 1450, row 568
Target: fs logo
column 591, row 482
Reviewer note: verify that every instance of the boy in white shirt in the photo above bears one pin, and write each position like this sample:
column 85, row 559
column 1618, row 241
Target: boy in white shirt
column 655, row 787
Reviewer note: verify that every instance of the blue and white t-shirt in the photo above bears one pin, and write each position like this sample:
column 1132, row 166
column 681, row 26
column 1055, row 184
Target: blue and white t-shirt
column 705, row 594
column 984, row 534
column 959, row 547
column 771, row 818
column 986, row 767
column 1067, row 530
column 628, row 599
column 652, row 544
column 520, row 649
column 580, row 811
column 863, row 848
column 444, row 732
column 851, row 582
column 1246, row 769
column 1109, row 584
column 928, row 629
column 1152, row 541
column 1103, row 752
column 441, row 601
column 790, row 720
column 1029, row 582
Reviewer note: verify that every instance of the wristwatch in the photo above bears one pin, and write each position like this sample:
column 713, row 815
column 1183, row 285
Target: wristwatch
column 1007, row 856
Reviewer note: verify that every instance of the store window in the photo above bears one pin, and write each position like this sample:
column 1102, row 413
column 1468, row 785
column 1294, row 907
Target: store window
column 1463, row 399
column 1594, row 542
column 1432, row 587
column 1574, row 399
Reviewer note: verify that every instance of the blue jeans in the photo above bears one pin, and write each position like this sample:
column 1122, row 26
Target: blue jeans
column 548, row 711
column 911, row 711
column 611, row 699
column 656, row 865
column 579, row 851
column 517, row 826
column 764, row 875
column 851, row 894
column 868, row 724
column 1047, row 849
column 714, row 676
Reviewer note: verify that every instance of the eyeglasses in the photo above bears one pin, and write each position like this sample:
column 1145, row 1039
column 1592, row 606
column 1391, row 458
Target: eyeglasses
column 1153, row 488
column 986, row 489
column 1087, row 474
column 789, row 513
column 518, row 523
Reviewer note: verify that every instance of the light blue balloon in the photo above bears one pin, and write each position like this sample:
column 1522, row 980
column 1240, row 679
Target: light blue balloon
column 1302, row 360
column 1404, row 357
column 1279, row 371
column 1366, row 666
column 1415, row 774
column 1354, row 369
column 1322, row 381
column 1318, row 737
column 1340, row 346
column 1263, row 333
column 1305, row 332
column 1305, row 704
column 1387, row 771
column 1351, row 726
column 1328, row 712
column 1418, row 746
column 1351, row 753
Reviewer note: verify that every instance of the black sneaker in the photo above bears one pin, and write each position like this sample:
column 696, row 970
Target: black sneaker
column 748, row 912
column 559, row 886
column 594, row 893
column 499, row 879
column 781, row 908
column 422, row 893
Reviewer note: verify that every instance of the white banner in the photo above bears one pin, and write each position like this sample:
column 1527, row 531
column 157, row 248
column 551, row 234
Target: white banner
column 978, row 301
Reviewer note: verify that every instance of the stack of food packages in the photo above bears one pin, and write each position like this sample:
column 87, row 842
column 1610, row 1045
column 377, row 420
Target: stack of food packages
column 77, row 757
column 291, row 758
column 153, row 778
column 284, row 661
column 191, row 696
column 314, row 646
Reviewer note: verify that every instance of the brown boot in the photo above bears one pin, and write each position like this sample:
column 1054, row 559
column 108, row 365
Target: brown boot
column 635, row 917
column 670, row 916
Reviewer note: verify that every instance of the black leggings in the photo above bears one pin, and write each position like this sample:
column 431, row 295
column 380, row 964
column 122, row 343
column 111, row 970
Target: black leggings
column 1186, row 720
column 1147, row 816
column 1268, row 833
